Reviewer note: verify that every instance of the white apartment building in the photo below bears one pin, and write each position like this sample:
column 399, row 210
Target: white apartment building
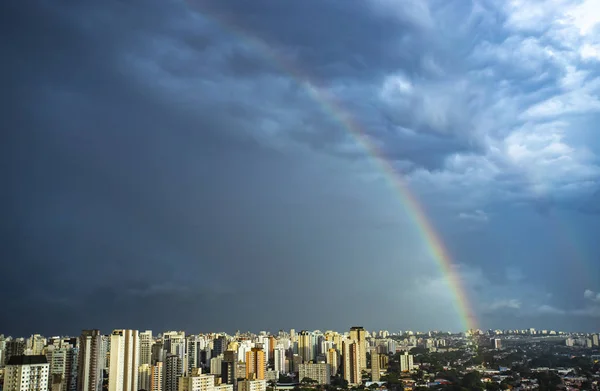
column 124, row 360
column 26, row 373
column 252, row 385
column 197, row 381
column 406, row 362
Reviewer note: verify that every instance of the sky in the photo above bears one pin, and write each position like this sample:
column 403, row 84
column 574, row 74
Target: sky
column 171, row 164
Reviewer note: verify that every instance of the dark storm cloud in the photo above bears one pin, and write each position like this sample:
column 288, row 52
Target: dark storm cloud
column 326, row 39
column 162, row 154
column 128, row 191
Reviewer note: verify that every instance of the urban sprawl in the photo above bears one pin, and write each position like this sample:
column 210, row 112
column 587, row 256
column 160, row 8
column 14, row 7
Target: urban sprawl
column 357, row 359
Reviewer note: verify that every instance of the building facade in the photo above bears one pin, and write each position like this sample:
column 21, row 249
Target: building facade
column 124, row 360
column 90, row 361
column 351, row 362
column 26, row 373
column 255, row 364
column 319, row 372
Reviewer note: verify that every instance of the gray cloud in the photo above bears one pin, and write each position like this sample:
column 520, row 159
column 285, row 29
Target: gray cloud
column 165, row 152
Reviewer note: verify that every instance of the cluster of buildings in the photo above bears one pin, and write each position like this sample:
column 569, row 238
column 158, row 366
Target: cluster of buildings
column 130, row 360
column 588, row 341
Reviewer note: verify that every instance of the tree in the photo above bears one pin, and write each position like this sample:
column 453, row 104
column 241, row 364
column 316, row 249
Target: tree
column 492, row 386
column 338, row 381
column 419, row 375
column 472, row 381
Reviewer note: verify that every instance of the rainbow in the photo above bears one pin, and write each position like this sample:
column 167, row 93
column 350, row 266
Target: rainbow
column 410, row 203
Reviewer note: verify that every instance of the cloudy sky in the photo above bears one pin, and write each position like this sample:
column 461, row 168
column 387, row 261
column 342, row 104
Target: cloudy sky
column 172, row 164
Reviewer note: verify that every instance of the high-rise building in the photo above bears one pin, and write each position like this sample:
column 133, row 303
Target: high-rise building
column 279, row 359
column 215, row 365
column 496, row 343
column 124, row 360
column 305, row 346
column 320, row 372
column 35, row 345
column 595, row 339
column 255, row 364
column 332, row 360
column 383, row 362
column 14, row 347
column 158, row 353
column 156, row 377
column 173, row 370
column 194, row 348
column 63, row 366
column 144, row 377
column 360, row 335
column 219, row 346
column 351, row 362
column 406, row 362
column 146, row 342
column 272, row 343
column 90, row 361
column 375, row 370
column 174, row 343
column 229, row 368
column 105, row 351
column 569, row 342
column 295, row 363
column 26, row 373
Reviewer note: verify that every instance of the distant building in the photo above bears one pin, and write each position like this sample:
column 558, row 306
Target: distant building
column 158, row 353
column 360, row 335
column 197, row 381
column 255, row 364
column 146, row 342
column 375, row 371
column 351, row 362
column 279, row 359
column 333, row 361
column 271, row 374
column 406, row 362
column 229, row 372
column 15, row 347
column 26, row 373
column 496, row 343
column 320, row 372
column 219, row 346
column 569, row 342
column 252, row 385
column 215, row 365
column 305, row 346
column 35, row 345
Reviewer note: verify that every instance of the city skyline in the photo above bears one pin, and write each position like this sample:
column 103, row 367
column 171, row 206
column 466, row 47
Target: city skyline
column 414, row 164
column 371, row 332
column 352, row 359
